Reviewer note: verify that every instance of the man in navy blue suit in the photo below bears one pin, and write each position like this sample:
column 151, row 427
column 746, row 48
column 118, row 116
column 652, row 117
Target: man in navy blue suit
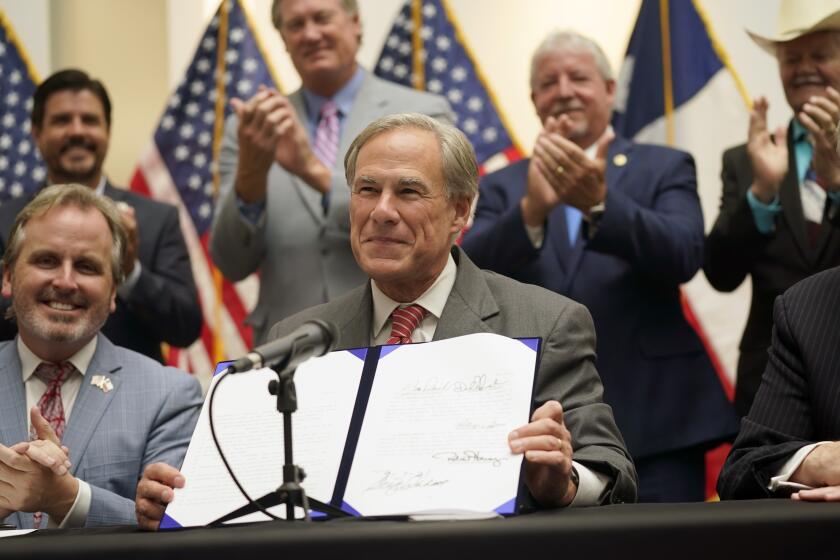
column 618, row 227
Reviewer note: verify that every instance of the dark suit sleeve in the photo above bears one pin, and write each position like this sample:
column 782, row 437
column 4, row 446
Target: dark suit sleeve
column 165, row 297
column 567, row 374
column 662, row 237
column 734, row 243
column 497, row 239
column 779, row 422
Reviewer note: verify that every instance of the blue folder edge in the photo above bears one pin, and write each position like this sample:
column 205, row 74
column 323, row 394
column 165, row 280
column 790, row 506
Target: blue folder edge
column 168, row 523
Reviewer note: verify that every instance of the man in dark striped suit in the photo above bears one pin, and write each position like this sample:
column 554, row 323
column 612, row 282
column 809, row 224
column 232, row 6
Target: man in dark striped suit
column 790, row 440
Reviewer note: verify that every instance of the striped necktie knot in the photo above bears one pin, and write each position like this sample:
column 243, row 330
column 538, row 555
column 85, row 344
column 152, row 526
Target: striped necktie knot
column 403, row 322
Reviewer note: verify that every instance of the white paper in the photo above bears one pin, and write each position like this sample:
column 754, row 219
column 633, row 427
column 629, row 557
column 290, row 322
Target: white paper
column 250, row 432
column 435, row 432
column 14, row 532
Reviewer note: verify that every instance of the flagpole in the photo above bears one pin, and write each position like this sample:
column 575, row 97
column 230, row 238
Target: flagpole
column 418, row 65
column 667, row 77
column 218, row 279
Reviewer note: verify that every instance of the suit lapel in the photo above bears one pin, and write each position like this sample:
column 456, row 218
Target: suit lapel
column 113, row 192
column 355, row 324
column 827, row 232
column 92, row 402
column 13, row 413
column 791, row 201
column 614, row 174
column 470, row 303
column 366, row 107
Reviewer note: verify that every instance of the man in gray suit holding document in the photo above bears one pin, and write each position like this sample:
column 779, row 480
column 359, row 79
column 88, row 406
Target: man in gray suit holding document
column 413, row 181
column 283, row 203
column 80, row 418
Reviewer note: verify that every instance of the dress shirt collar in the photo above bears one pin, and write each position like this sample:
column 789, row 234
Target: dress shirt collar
column 433, row 299
column 592, row 150
column 100, row 188
column 343, row 99
column 29, row 361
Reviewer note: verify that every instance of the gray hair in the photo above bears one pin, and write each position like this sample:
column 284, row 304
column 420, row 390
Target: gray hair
column 60, row 196
column 350, row 6
column 460, row 169
column 566, row 41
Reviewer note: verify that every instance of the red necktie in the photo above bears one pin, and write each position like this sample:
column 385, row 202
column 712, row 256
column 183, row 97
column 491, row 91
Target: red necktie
column 50, row 405
column 403, row 322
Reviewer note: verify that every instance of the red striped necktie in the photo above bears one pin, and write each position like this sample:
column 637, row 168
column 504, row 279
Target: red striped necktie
column 403, row 322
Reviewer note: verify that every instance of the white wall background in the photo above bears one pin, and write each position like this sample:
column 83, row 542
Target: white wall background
column 501, row 33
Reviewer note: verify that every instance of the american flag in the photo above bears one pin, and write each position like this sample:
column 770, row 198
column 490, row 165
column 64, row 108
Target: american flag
column 426, row 50
column 21, row 170
column 179, row 167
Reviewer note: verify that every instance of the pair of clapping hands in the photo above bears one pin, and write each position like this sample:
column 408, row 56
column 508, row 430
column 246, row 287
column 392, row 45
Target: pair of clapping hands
column 33, row 474
column 769, row 152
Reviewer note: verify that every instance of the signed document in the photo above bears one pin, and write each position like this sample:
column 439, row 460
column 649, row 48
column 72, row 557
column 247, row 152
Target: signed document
column 379, row 431
column 434, row 435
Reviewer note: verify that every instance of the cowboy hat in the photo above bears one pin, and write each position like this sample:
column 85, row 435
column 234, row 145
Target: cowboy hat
column 798, row 18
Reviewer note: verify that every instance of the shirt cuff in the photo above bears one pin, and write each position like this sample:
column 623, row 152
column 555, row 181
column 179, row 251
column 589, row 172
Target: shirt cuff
column 764, row 215
column 781, row 480
column 251, row 211
column 591, row 486
column 536, row 234
column 77, row 516
column 124, row 289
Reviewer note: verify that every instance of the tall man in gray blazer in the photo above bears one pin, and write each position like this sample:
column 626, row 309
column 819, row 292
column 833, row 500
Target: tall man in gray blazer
column 115, row 411
column 413, row 181
column 283, row 203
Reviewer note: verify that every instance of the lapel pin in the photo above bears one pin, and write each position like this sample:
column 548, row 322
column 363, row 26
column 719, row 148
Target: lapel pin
column 101, row 382
column 619, row 160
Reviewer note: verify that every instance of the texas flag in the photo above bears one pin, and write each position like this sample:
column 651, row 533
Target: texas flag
column 677, row 87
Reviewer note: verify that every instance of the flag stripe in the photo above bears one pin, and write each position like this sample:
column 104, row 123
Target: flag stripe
column 178, row 167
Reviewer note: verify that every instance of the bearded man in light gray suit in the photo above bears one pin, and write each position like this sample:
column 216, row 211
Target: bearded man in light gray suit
column 110, row 411
column 413, row 181
column 282, row 208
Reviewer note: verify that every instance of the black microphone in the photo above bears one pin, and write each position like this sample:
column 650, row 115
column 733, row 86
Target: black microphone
column 311, row 339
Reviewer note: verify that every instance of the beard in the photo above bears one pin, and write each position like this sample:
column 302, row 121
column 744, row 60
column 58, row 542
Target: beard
column 61, row 173
column 34, row 317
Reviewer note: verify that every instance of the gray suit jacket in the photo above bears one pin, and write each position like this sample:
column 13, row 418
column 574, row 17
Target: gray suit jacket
column 483, row 301
column 148, row 417
column 303, row 255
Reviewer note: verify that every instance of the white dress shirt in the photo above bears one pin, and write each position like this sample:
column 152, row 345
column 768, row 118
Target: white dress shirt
column 35, row 389
column 782, row 478
column 592, row 484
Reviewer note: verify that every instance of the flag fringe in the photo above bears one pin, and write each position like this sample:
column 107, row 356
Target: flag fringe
column 15, row 41
column 722, row 54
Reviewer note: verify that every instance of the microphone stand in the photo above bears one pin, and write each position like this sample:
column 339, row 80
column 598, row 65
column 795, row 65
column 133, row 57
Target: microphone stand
column 290, row 492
